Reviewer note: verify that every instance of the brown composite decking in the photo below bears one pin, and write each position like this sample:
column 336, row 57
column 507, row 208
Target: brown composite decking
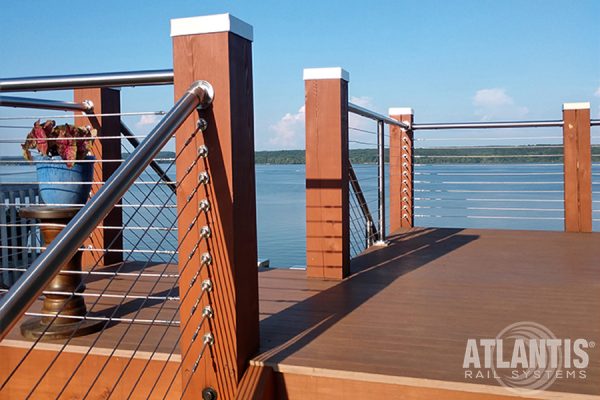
column 405, row 315
column 403, row 318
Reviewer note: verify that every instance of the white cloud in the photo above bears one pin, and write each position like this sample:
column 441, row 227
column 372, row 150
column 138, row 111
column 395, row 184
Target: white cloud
column 289, row 131
column 597, row 92
column 495, row 103
column 146, row 120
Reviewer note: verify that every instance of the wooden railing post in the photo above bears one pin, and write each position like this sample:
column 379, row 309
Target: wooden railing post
column 217, row 49
column 327, row 169
column 401, row 171
column 106, row 101
column 577, row 167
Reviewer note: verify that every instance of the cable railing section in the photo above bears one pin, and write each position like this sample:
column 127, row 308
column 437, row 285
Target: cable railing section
column 519, row 185
column 139, row 297
column 365, row 231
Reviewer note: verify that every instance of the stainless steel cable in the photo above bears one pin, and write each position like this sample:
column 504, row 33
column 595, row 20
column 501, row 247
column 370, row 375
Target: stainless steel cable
column 110, row 281
column 71, row 116
column 57, row 315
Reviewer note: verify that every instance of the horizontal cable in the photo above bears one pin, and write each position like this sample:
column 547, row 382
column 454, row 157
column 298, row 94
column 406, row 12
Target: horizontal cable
column 96, row 318
column 51, row 225
column 103, row 273
column 487, row 183
column 487, row 125
column 513, row 147
column 108, row 295
column 487, row 173
column 494, row 200
column 486, row 191
column 123, row 114
column 487, row 217
column 365, row 143
column 362, row 130
column 489, row 156
column 85, row 183
column 91, row 249
column 81, row 205
column 488, row 138
column 492, row 208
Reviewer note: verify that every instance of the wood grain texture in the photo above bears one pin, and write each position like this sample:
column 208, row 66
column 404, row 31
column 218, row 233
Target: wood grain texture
column 398, row 326
column 401, row 175
column 327, row 190
column 224, row 60
column 105, row 101
column 31, row 371
column 408, row 309
column 577, row 170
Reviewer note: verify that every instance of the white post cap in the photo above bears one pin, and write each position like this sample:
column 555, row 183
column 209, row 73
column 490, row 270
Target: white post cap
column 576, row 106
column 400, row 111
column 325, row 73
column 211, row 24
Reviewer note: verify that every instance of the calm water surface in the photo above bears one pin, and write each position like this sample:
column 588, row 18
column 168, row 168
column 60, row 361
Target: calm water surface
column 484, row 196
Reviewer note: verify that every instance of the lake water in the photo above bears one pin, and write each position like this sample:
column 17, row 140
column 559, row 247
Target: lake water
column 504, row 196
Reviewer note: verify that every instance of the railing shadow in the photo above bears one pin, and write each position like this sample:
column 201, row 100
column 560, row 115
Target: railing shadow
column 372, row 271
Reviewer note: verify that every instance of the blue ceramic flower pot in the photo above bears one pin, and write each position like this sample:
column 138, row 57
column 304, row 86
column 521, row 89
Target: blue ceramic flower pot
column 57, row 182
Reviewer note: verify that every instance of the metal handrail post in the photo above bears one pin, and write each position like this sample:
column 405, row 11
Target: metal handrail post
column 24, row 292
column 381, row 180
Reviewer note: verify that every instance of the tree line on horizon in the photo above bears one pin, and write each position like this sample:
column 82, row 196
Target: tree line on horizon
column 434, row 155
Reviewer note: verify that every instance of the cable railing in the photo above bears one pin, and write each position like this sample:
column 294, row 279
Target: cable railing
column 494, row 181
column 136, row 300
column 368, row 192
column 516, row 186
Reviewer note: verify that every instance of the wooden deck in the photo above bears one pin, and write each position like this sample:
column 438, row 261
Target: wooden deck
column 397, row 328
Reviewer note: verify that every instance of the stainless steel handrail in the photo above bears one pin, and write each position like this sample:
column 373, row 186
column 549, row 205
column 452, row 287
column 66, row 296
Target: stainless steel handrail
column 25, row 102
column 107, row 79
column 482, row 125
column 595, row 122
column 24, row 292
column 356, row 109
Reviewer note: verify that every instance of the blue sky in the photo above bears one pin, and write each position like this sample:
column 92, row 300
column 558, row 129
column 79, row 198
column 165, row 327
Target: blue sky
column 449, row 60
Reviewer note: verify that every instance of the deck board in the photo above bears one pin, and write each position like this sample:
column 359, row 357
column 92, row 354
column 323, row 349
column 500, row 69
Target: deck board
column 410, row 307
column 405, row 314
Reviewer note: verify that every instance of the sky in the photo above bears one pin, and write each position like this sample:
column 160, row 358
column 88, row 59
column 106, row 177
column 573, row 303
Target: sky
column 451, row 61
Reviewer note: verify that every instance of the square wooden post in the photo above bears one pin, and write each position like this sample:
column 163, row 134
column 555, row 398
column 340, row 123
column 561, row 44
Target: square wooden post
column 327, row 169
column 401, row 171
column 106, row 101
column 577, row 167
column 217, row 49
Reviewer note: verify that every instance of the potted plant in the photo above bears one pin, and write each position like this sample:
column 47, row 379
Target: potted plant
column 62, row 180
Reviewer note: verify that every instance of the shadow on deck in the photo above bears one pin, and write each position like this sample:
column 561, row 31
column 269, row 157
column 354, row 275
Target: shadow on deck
column 397, row 328
column 399, row 325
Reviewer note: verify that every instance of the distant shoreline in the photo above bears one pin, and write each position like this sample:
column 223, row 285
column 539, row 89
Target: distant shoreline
column 437, row 155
